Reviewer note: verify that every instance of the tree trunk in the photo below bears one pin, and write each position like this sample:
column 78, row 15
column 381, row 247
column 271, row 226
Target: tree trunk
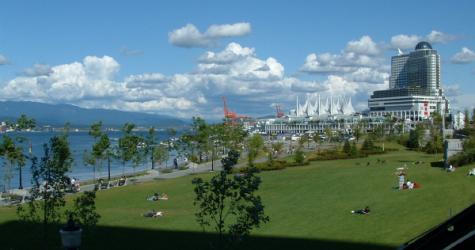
column 20, row 178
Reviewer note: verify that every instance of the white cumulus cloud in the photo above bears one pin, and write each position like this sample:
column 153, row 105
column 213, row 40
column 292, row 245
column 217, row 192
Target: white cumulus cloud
column 38, row 70
column 403, row 41
column 466, row 55
column 189, row 36
column 3, row 60
column 364, row 46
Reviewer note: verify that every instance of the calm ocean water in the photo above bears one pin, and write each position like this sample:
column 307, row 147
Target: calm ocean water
column 78, row 142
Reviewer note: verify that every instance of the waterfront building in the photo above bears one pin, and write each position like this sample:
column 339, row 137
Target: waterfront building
column 415, row 90
column 316, row 106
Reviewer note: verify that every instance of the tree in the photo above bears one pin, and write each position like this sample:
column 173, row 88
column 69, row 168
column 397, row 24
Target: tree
column 305, row 139
column 277, row 147
column 199, row 136
column 48, row 184
column 151, row 145
column 228, row 204
column 130, row 147
column 299, row 156
column 170, row 145
column 13, row 156
column 347, row 148
column 84, row 209
column 368, row 145
column 415, row 137
column 466, row 119
column 100, row 148
column 354, row 149
column 357, row 131
column 473, row 118
column 329, row 134
column 25, row 123
column 435, row 144
column 255, row 144
column 316, row 138
column 160, row 154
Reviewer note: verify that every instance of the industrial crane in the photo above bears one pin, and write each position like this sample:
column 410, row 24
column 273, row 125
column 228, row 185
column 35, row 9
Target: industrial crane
column 228, row 114
column 278, row 111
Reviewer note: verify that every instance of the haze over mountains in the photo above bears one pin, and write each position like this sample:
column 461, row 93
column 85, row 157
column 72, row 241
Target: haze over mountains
column 59, row 114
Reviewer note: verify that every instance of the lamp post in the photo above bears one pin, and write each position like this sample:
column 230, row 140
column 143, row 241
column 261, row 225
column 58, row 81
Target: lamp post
column 71, row 235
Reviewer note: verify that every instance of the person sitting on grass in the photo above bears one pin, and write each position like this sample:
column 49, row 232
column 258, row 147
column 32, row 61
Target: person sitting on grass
column 122, row 181
column 153, row 214
column 361, row 211
column 471, row 172
column 158, row 196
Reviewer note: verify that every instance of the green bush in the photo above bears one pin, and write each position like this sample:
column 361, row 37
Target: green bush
column 463, row 158
column 276, row 165
column 333, row 154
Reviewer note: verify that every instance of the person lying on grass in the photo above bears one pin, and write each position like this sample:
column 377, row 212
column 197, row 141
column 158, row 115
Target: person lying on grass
column 158, row 196
column 361, row 211
column 153, row 214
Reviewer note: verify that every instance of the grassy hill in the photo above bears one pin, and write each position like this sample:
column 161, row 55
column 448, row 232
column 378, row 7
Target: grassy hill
column 309, row 207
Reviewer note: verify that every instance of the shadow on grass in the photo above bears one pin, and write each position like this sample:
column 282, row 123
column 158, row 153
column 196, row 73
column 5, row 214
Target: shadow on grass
column 437, row 164
column 20, row 235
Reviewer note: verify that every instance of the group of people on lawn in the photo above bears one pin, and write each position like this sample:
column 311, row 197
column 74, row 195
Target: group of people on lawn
column 156, row 197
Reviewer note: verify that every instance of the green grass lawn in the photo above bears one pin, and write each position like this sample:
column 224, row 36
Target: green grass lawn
column 313, row 202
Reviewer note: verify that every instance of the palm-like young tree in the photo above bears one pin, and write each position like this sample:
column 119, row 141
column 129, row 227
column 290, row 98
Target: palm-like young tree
column 13, row 155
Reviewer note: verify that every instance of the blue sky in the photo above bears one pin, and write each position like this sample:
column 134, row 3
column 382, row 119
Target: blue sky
column 179, row 57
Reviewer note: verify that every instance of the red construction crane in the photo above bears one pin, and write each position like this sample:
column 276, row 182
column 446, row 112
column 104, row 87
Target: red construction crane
column 228, row 114
column 278, row 112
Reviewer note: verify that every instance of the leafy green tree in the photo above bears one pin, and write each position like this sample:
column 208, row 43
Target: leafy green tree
column 435, row 144
column 277, row 147
column 316, row 138
column 415, row 137
column 13, row 156
column 199, row 136
column 100, row 148
column 171, row 145
column 255, row 144
column 25, row 123
column 466, row 119
column 354, row 149
column 305, row 139
column 329, row 134
column 84, row 209
column 299, row 156
column 130, row 147
column 347, row 148
column 228, row 204
column 368, row 145
column 436, row 120
column 160, row 154
column 47, row 193
column 356, row 129
column 151, row 142
column 473, row 118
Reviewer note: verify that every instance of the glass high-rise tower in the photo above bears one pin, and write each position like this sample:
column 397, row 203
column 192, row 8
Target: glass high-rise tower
column 414, row 86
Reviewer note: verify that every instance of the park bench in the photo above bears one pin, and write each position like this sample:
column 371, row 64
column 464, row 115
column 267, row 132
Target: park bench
column 122, row 182
column 16, row 199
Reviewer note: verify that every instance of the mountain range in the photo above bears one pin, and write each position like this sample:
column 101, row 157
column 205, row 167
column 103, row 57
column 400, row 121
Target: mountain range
column 58, row 114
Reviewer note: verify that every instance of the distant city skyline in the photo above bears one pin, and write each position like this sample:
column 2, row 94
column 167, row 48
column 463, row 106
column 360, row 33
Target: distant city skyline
column 179, row 57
